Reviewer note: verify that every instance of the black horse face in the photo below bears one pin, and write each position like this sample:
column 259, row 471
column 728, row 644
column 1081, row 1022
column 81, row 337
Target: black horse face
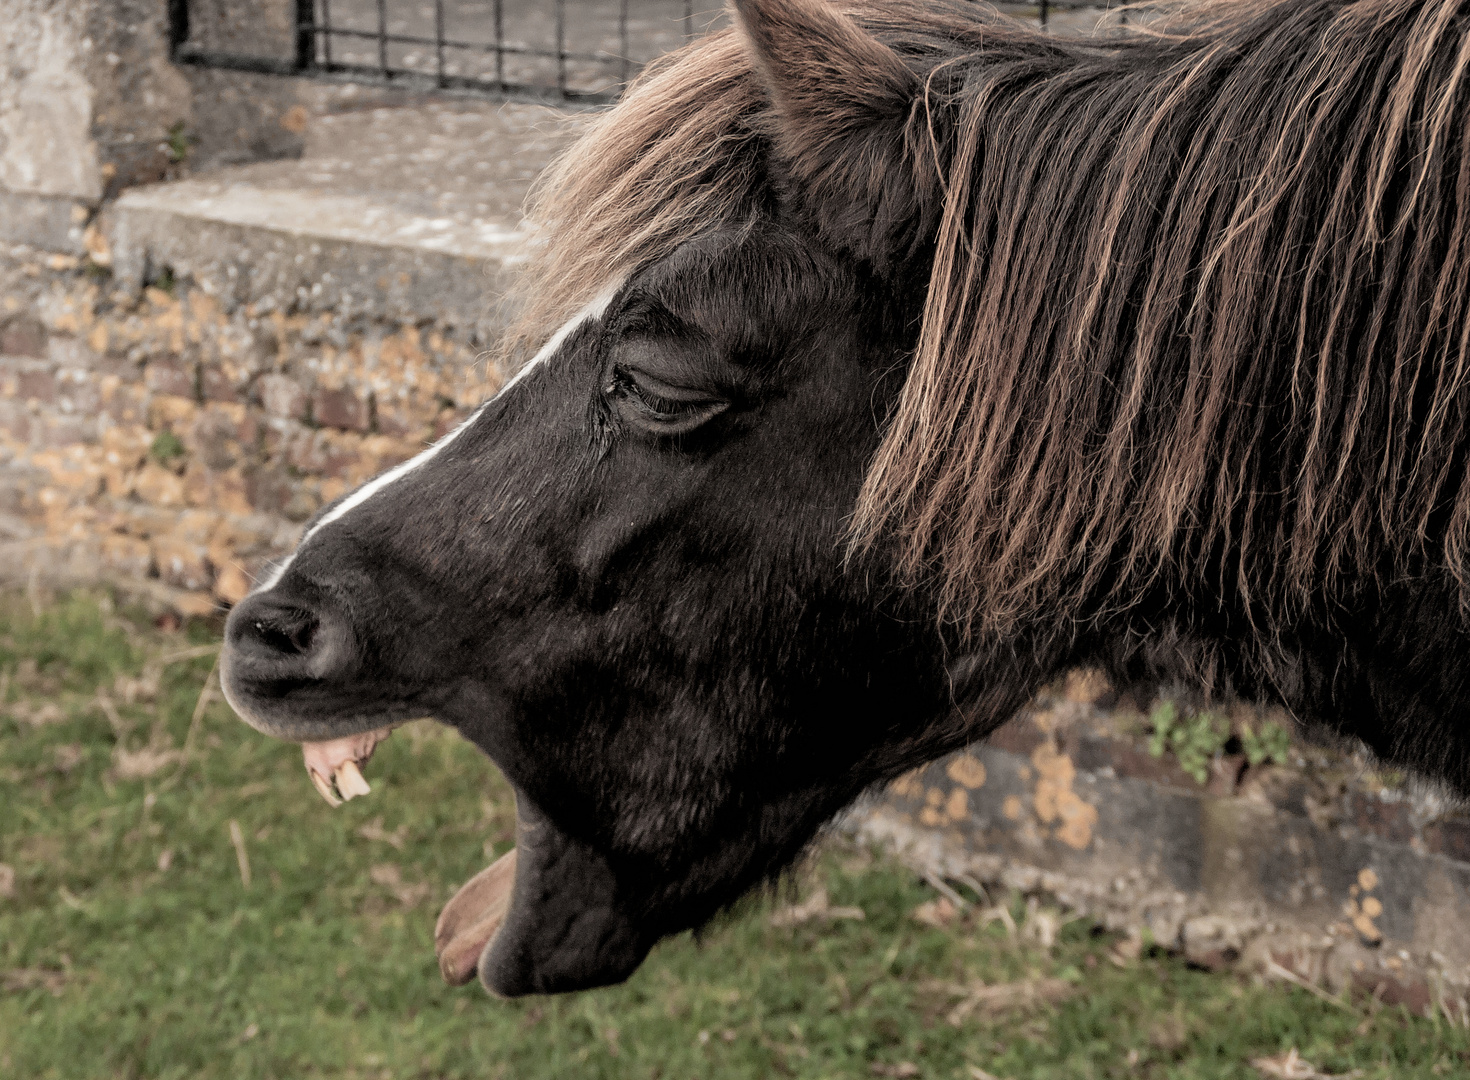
column 626, row 580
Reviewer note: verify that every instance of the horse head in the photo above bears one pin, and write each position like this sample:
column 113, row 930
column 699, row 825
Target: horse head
column 627, row 579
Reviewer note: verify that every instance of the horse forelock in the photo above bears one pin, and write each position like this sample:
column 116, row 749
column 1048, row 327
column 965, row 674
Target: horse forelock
column 1196, row 306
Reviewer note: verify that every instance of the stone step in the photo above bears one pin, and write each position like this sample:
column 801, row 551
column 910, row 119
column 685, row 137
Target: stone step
column 407, row 212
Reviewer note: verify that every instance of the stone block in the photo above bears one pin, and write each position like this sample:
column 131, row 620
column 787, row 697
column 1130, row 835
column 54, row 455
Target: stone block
column 47, row 222
column 59, row 432
column 214, row 436
column 1374, row 816
column 222, row 490
column 340, row 408
column 23, row 336
column 218, row 384
column 282, row 396
column 15, row 420
column 170, row 377
column 36, row 385
column 1449, row 837
column 159, row 486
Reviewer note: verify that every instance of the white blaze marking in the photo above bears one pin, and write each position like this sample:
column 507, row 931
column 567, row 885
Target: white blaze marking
column 594, row 310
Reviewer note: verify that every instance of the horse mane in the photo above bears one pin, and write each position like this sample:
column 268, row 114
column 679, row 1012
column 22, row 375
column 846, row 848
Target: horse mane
column 1197, row 308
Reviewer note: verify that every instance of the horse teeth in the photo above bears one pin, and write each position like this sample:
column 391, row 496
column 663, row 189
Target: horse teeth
column 350, row 782
column 324, row 786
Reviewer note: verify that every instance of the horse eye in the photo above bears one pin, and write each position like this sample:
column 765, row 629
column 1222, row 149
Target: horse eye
column 661, row 408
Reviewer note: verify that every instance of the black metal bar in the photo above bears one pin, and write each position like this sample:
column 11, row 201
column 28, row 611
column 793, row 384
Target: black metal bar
column 383, row 35
column 439, row 41
column 265, row 65
column 372, row 75
column 306, row 34
column 324, row 35
column 500, row 43
column 561, row 46
column 624, row 48
column 178, row 25
column 479, row 46
column 1044, row 5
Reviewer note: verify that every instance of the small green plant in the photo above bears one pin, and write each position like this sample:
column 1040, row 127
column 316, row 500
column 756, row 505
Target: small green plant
column 166, row 448
column 1270, row 745
column 179, row 142
column 1193, row 739
column 164, row 281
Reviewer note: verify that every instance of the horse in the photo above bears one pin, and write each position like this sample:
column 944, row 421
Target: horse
column 887, row 358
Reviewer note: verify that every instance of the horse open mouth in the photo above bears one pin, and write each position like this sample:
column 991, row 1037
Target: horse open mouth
column 471, row 919
column 561, row 923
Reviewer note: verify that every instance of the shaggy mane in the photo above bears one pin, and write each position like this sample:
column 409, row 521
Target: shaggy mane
column 1197, row 308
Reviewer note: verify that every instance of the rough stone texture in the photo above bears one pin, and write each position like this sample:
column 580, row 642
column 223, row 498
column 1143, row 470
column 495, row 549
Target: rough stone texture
column 90, row 104
column 407, row 212
column 320, row 320
column 1323, row 867
column 169, row 441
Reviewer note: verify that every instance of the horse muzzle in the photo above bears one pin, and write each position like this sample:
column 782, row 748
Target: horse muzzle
column 292, row 667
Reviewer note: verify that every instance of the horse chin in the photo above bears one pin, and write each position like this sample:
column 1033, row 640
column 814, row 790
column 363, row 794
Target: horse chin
column 547, row 917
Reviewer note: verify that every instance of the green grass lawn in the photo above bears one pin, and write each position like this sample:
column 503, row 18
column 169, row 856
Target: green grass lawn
column 131, row 945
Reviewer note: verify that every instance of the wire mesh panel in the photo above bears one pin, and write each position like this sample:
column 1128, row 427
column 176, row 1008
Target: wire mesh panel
column 556, row 49
column 569, row 48
column 565, row 50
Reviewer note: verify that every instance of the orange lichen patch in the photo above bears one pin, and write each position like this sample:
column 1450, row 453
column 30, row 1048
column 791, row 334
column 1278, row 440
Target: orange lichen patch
column 170, row 409
column 1085, row 685
column 909, row 786
column 1055, row 773
column 1056, row 802
column 1078, row 820
column 933, row 813
column 1361, row 910
column 294, row 119
column 159, row 486
column 76, row 469
column 1013, row 808
column 957, row 806
column 966, row 770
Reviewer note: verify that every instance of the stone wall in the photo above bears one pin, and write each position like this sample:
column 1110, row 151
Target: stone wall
column 1318, row 867
column 174, row 440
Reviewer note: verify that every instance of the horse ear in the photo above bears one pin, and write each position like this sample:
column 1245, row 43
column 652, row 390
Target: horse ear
column 850, row 127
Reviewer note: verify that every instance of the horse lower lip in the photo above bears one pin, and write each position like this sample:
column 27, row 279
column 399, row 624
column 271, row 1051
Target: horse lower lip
column 472, row 918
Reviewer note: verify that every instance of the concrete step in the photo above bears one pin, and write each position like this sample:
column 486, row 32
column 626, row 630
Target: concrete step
column 405, row 211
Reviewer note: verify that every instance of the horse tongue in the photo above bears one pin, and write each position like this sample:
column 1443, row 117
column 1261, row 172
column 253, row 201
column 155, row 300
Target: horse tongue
column 470, row 919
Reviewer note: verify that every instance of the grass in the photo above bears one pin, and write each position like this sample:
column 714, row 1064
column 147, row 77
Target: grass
column 131, row 946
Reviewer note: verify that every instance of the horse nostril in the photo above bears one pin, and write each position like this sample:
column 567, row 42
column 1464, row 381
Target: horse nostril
column 274, row 631
column 288, row 640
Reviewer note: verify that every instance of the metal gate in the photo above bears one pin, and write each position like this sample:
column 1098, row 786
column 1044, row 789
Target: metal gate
column 548, row 50
column 558, row 50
